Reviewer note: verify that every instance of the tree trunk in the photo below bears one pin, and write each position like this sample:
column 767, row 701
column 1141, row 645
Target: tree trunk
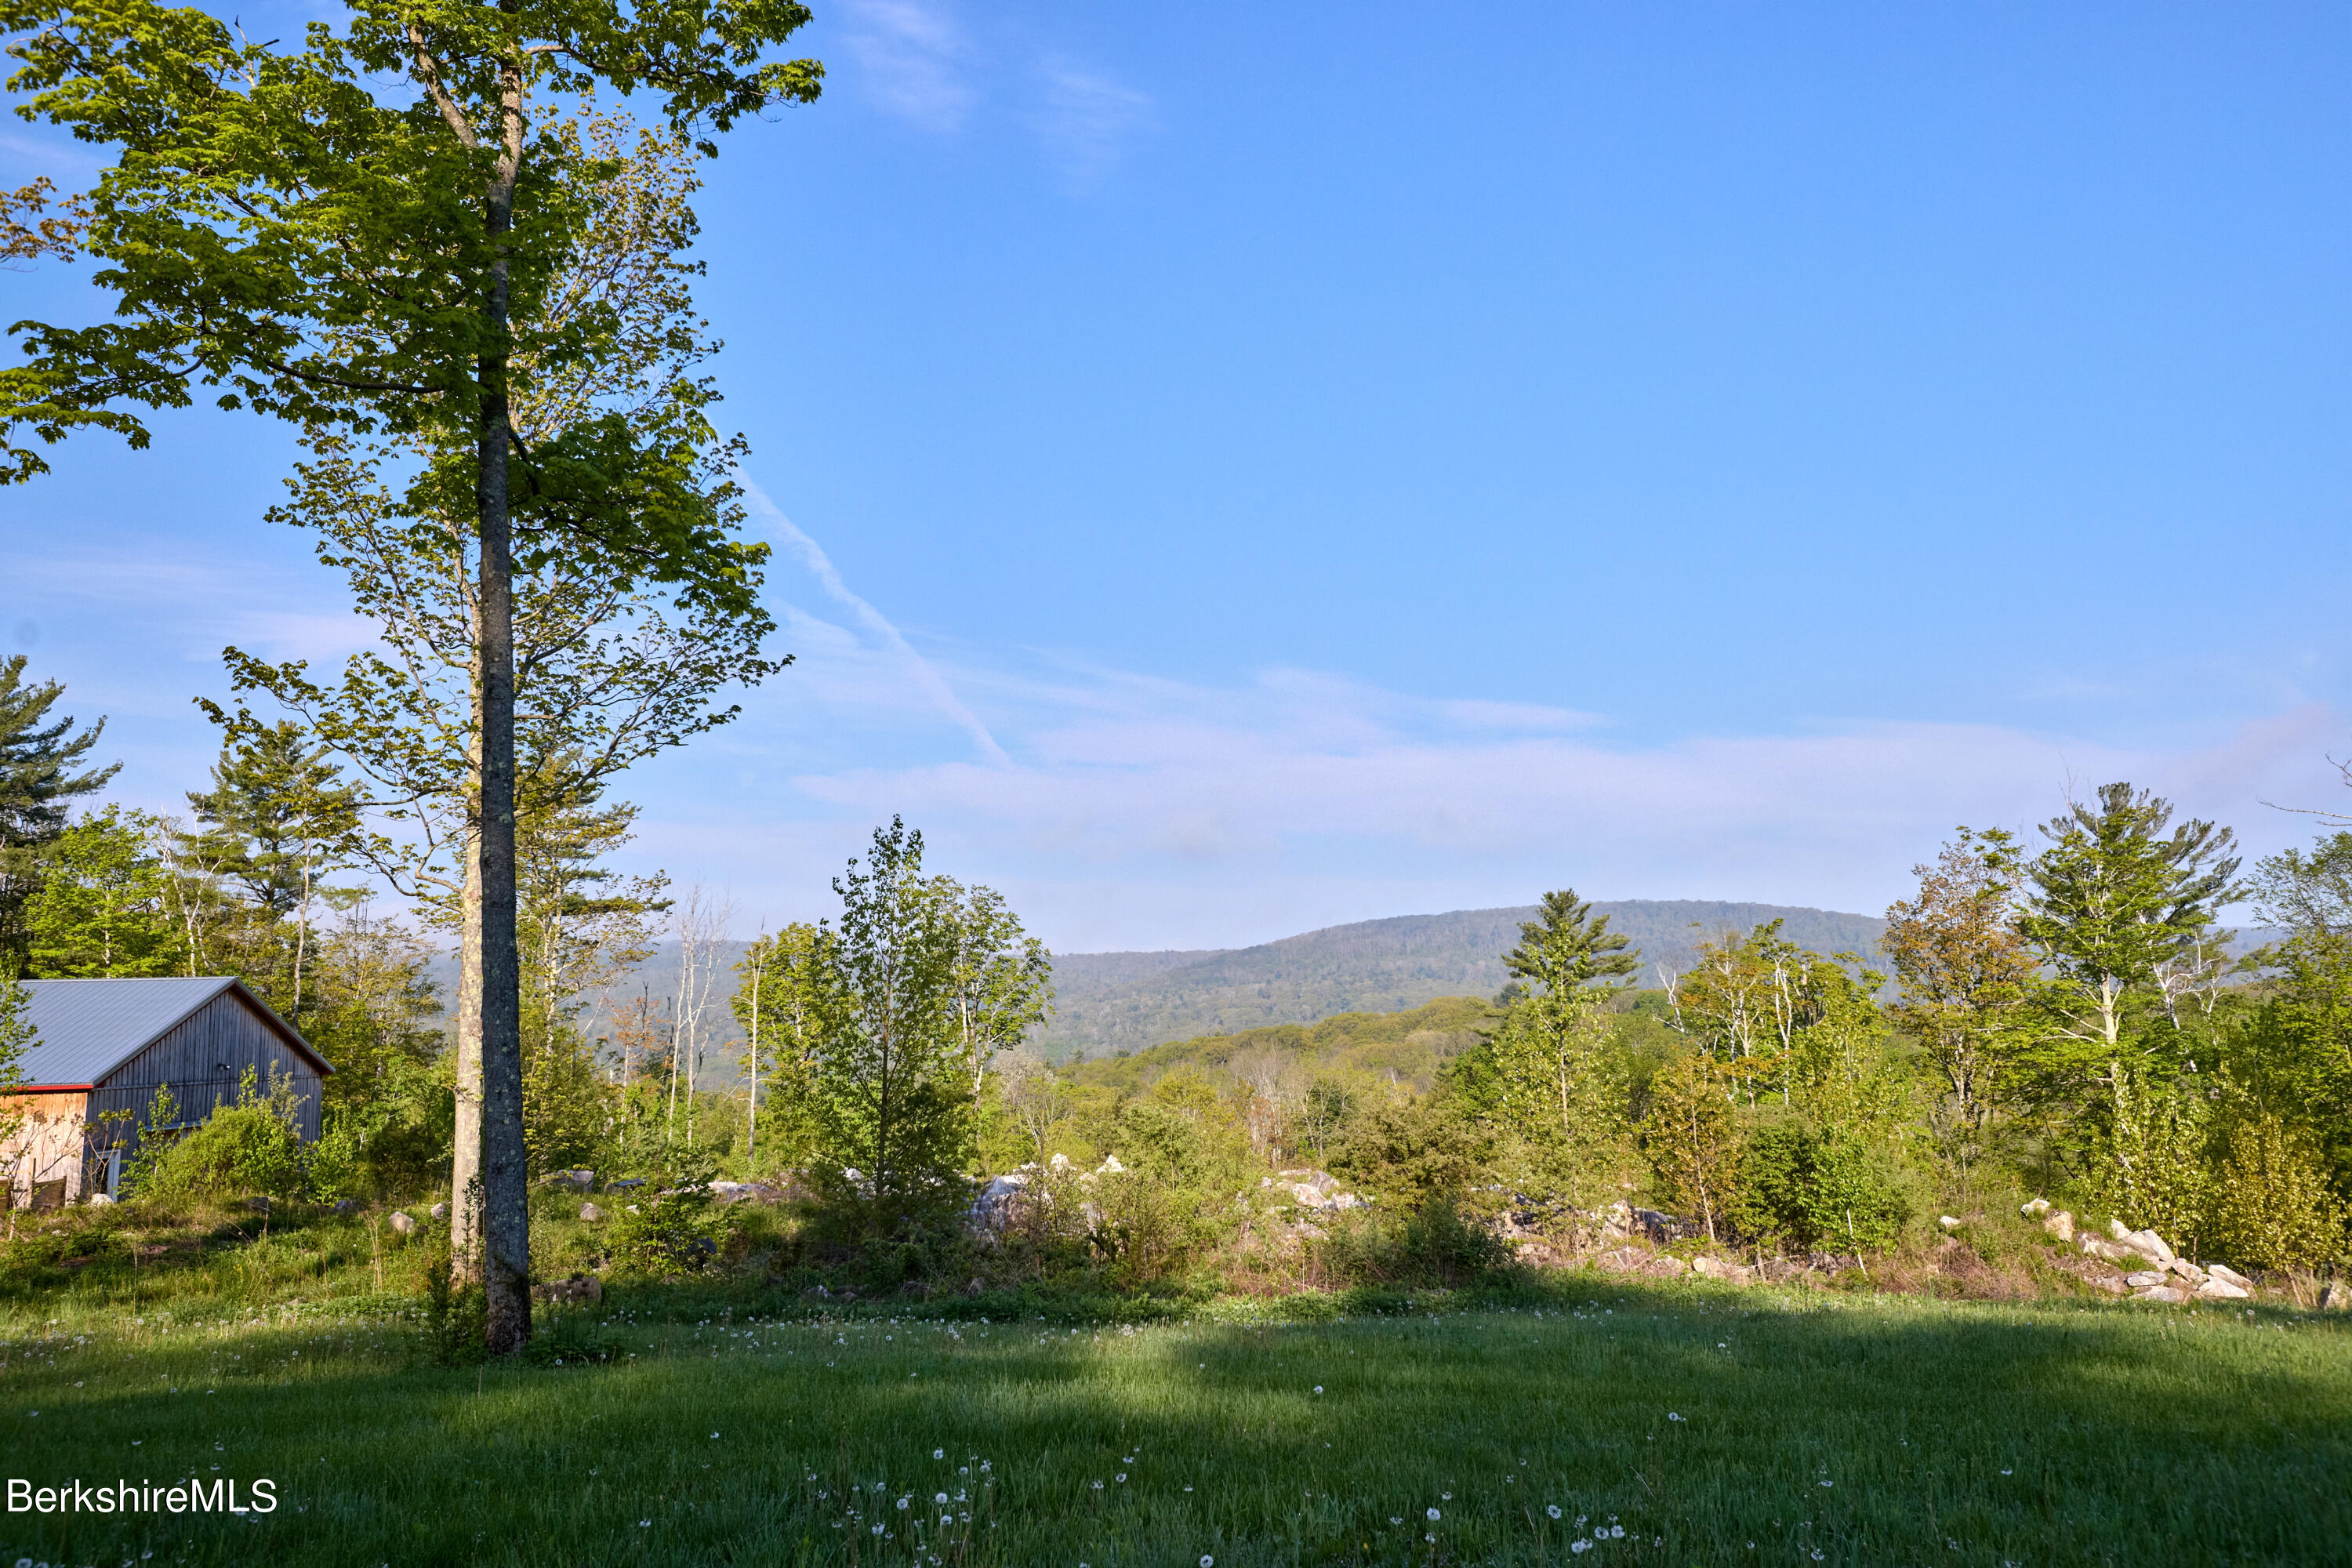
column 465, row 1148
column 506, row 1218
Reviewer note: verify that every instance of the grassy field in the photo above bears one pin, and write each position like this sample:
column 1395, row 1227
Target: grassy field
column 1683, row 1425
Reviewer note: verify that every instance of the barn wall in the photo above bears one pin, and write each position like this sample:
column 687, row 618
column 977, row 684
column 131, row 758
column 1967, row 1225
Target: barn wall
column 202, row 1058
column 46, row 1147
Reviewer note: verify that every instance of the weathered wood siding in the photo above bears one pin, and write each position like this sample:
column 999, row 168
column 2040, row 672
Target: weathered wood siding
column 202, row 1058
column 46, row 1146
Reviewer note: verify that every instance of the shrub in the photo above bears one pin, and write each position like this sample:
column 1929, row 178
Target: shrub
column 1819, row 1189
column 1434, row 1245
column 249, row 1147
column 677, row 1231
column 2272, row 1207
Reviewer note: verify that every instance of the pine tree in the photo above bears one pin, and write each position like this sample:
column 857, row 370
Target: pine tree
column 38, row 782
column 1566, row 946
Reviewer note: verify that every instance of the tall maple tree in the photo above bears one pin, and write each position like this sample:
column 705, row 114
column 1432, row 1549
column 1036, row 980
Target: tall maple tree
column 282, row 226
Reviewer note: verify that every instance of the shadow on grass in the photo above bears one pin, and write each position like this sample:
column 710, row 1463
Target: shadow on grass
column 1697, row 1420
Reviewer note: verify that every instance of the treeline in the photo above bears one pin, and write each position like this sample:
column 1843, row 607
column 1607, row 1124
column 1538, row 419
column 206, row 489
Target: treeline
column 2061, row 1018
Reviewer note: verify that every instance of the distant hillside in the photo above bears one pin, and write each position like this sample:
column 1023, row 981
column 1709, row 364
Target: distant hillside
column 1112, row 1002
column 1407, row 1045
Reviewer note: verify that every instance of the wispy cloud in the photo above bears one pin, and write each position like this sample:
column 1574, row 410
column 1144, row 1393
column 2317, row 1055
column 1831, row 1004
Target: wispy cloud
column 919, row 669
column 914, row 60
column 1088, row 119
column 1153, row 812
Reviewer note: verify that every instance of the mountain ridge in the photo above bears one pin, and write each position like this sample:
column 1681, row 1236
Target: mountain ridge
column 1113, row 1002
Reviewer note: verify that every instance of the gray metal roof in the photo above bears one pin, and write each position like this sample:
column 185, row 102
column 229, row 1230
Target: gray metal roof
column 87, row 1028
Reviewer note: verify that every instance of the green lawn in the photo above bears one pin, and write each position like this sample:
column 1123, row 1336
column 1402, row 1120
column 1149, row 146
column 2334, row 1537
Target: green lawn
column 1710, row 1424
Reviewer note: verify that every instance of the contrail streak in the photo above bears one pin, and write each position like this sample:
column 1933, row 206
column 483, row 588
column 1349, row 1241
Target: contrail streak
column 820, row 566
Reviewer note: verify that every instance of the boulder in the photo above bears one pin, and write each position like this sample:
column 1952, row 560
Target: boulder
column 402, row 1223
column 2118, row 1231
column 2113, row 1284
column 2161, row 1293
column 2036, row 1208
column 2336, row 1296
column 1718, row 1268
column 440, row 1211
column 2099, row 1246
column 2223, row 1271
column 626, row 1183
column 1306, row 1196
column 2147, row 1278
column 579, row 1287
column 574, row 1180
column 2058, row 1223
column 2150, row 1244
column 1949, row 1222
column 2219, row 1290
column 993, row 1208
column 99, row 1200
column 749, row 1191
column 591, row 1212
column 2187, row 1270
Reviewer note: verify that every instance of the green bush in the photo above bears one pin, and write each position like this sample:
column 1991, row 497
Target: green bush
column 251, row 1147
column 1435, row 1246
column 676, row 1232
column 1817, row 1189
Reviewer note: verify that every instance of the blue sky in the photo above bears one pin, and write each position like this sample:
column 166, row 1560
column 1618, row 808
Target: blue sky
column 1284, row 465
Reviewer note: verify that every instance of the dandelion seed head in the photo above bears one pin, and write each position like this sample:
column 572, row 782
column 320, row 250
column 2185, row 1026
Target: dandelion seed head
column 1433, row 1515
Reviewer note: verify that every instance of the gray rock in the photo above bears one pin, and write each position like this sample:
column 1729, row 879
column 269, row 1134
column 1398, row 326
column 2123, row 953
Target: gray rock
column 2118, row 1231
column 2034, row 1208
column 2219, row 1290
column 579, row 1287
column 2150, row 1244
column 2337, row 1297
column 2223, row 1271
column 2058, row 1223
column 98, row 1200
column 2187, row 1270
column 574, row 1180
column 440, row 1211
column 2113, row 1284
column 1949, row 1222
column 591, row 1212
column 2147, row 1278
column 401, row 1223
column 2161, row 1293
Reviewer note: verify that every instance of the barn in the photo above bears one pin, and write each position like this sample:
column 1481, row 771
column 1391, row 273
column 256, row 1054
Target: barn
column 105, row 1046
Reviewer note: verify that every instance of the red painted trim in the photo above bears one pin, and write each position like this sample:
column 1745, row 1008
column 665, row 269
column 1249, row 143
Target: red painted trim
column 43, row 1088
